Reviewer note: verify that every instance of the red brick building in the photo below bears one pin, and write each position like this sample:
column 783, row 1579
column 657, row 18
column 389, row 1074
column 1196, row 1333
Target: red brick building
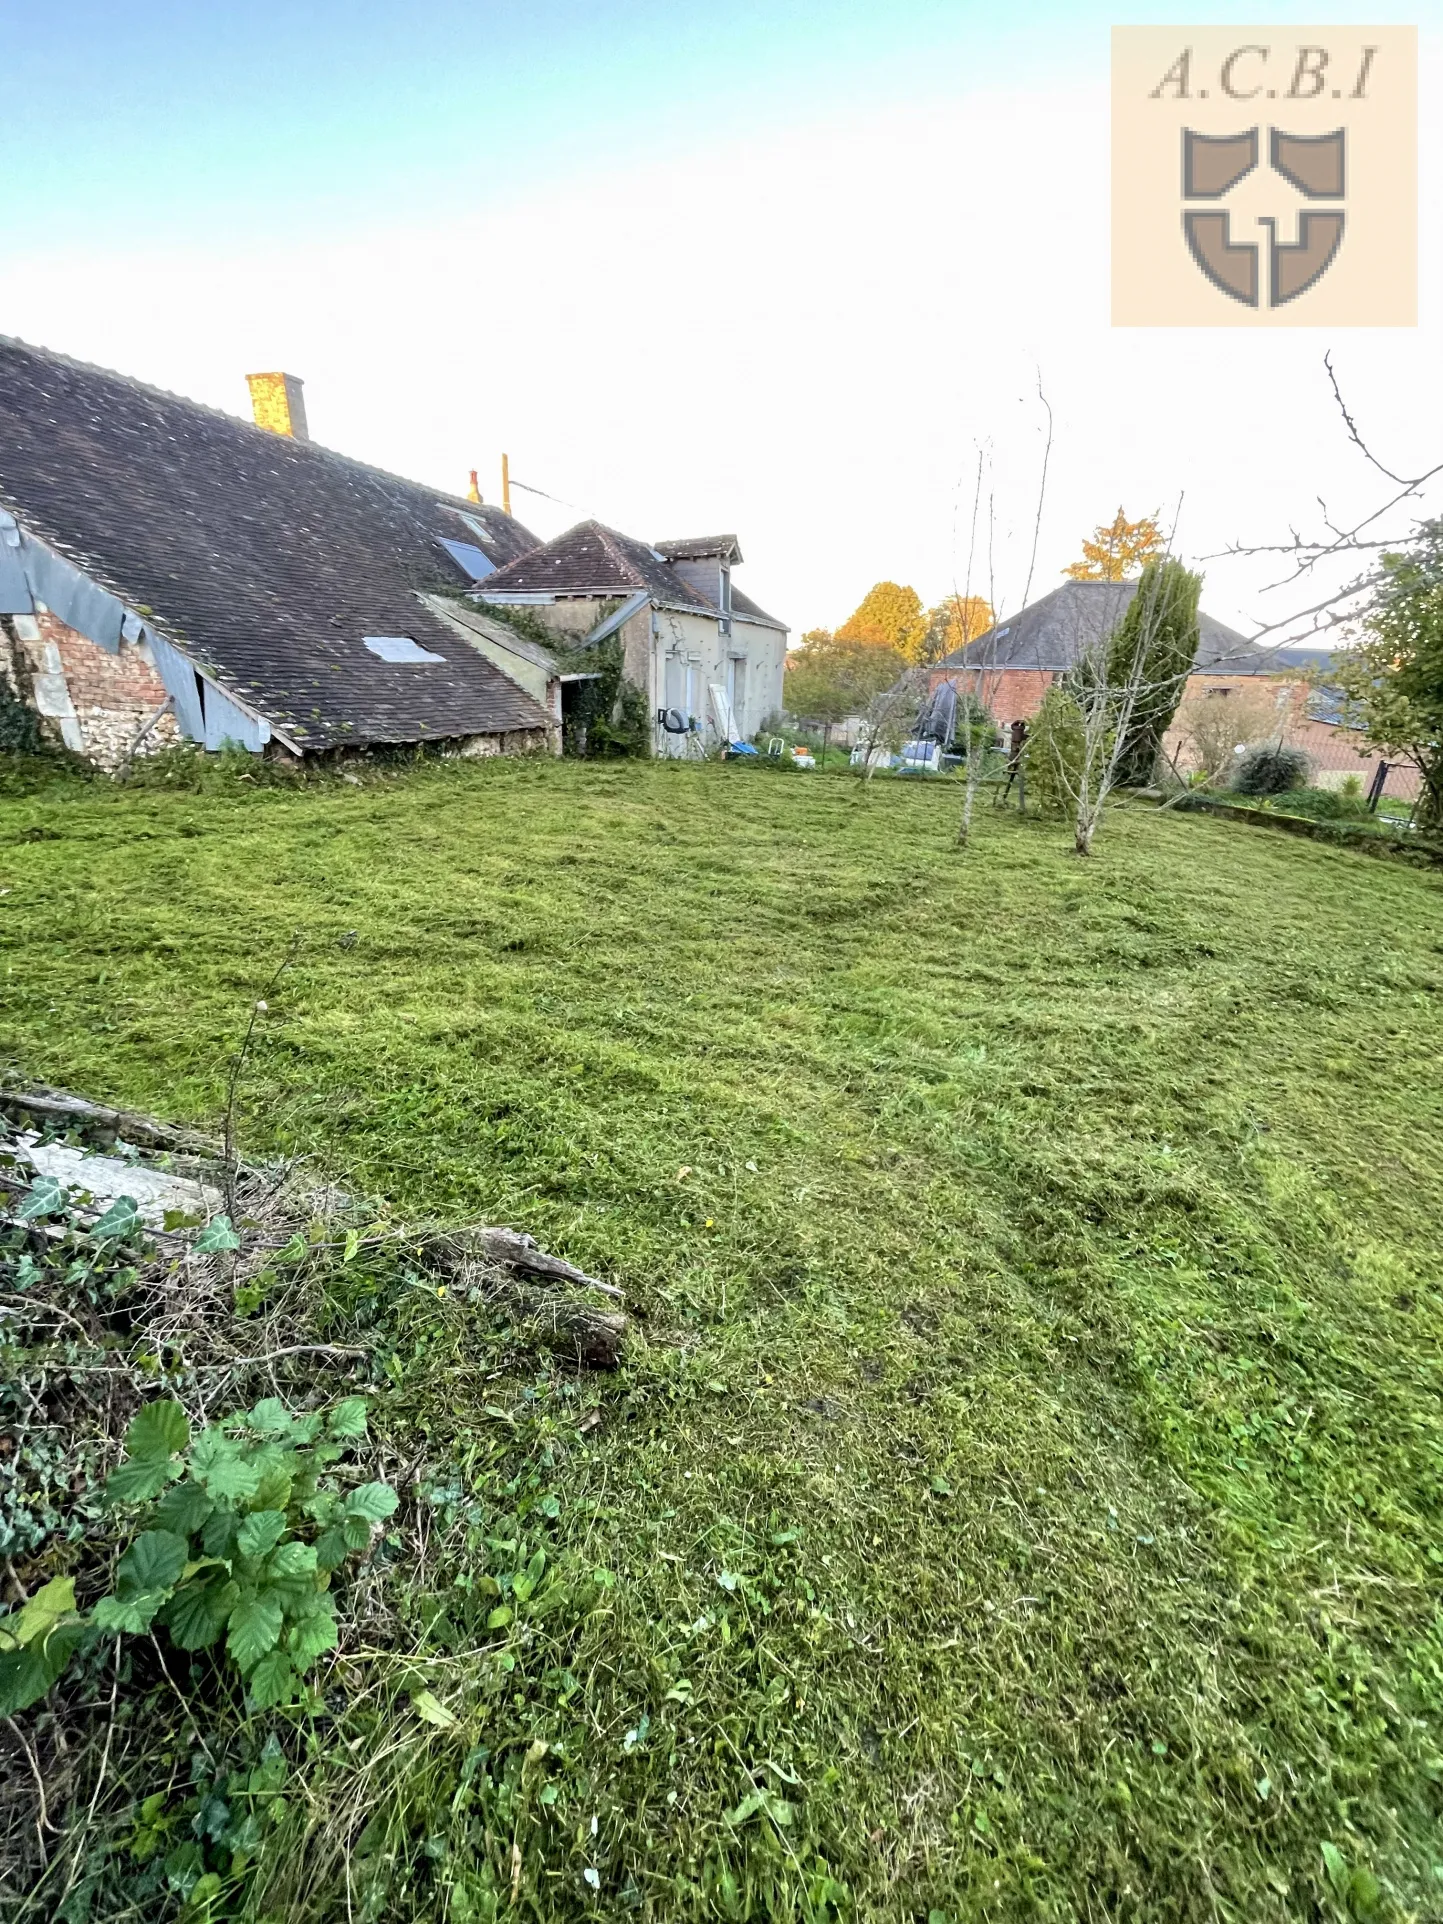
column 1267, row 689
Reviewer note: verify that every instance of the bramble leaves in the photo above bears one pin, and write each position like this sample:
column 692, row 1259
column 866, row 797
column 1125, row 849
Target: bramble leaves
column 137, row 1482
column 157, row 1430
column 255, row 1628
column 313, row 1635
column 373, row 1501
column 223, row 1466
column 183, row 1508
column 260, row 1533
column 197, row 1614
column 273, row 1681
column 220, row 1555
column 39, row 1615
column 348, row 1418
column 134, row 1611
column 154, row 1561
column 291, row 1561
column 156, row 1434
column 331, row 1549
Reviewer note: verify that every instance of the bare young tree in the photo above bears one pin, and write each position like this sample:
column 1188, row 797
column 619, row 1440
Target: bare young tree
column 978, row 679
column 1343, row 552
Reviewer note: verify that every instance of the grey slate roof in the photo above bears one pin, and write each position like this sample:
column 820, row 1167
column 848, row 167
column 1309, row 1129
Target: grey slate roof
column 592, row 559
column 266, row 559
column 1054, row 633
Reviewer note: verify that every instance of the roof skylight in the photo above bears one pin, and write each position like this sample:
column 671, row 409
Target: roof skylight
column 398, row 648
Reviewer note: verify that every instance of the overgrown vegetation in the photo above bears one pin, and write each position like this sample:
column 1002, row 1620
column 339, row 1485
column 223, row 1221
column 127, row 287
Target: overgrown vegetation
column 1021, row 1500
column 20, row 730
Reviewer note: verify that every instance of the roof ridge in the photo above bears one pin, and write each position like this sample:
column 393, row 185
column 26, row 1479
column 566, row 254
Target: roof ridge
column 55, row 356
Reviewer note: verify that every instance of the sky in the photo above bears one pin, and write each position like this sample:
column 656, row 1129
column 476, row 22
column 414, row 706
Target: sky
column 797, row 272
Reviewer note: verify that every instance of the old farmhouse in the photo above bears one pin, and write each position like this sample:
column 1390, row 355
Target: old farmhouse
column 708, row 660
column 169, row 571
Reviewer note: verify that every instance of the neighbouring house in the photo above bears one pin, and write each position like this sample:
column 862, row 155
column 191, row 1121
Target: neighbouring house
column 1011, row 667
column 706, row 658
column 169, row 571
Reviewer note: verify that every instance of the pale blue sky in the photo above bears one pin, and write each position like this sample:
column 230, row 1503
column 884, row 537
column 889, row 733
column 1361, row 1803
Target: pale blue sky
column 743, row 264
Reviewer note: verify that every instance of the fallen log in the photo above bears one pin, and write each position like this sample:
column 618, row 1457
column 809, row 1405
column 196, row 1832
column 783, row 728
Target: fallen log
column 510, row 1270
column 58, row 1105
column 488, row 1263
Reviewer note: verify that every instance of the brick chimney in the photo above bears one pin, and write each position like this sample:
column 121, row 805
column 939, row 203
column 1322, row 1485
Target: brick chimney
column 277, row 404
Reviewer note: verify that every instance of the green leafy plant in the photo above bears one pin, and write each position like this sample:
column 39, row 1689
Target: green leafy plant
column 37, row 1641
column 222, row 1553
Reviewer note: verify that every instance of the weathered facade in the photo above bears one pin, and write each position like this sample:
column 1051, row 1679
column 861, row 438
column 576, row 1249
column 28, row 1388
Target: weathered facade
column 707, row 659
column 102, row 706
column 168, row 571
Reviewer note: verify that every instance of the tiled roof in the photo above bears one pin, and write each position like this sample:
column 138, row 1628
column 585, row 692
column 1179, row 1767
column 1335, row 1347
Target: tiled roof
column 592, row 559
column 700, row 547
column 267, row 559
column 1054, row 633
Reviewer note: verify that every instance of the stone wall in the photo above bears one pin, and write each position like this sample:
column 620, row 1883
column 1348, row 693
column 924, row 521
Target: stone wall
column 89, row 700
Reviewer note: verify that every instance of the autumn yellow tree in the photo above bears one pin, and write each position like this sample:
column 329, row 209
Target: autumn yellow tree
column 1118, row 549
column 888, row 616
column 955, row 622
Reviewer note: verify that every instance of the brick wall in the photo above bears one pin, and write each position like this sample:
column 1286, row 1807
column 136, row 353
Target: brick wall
column 91, row 701
column 1008, row 694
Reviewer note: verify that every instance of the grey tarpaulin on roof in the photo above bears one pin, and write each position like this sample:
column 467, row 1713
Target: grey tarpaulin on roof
column 72, row 597
column 15, row 596
column 225, row 722
column 182, row 687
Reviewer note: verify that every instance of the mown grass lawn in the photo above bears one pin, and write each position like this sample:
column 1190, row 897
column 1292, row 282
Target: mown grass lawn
column 1023, row 1496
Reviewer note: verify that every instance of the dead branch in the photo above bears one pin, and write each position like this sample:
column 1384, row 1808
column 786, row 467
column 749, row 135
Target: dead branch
column 523, row 1254
column 58, row 1105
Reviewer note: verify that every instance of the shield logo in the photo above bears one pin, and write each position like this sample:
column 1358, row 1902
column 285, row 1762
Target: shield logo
column 1312, row 164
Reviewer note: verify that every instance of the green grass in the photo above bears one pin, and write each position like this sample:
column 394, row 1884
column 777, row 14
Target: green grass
column 1029, row 1466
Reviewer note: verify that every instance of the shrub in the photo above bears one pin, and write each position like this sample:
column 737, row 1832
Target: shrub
column 1271, row 768
column 1055, row 752
column 1327, row 805
column 1153, row 648
column 20, row 731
